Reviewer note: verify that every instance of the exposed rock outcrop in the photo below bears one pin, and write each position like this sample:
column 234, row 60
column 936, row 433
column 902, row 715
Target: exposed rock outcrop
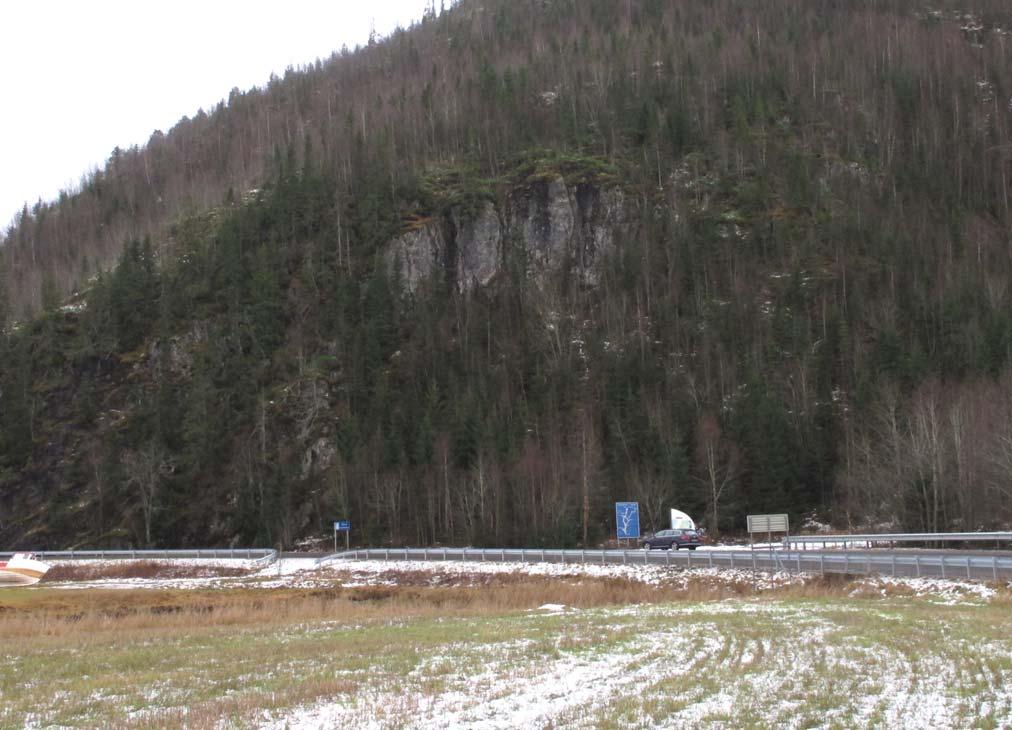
column 318, row 457
column 562, row 228
column 479, row 240
column 417, row 254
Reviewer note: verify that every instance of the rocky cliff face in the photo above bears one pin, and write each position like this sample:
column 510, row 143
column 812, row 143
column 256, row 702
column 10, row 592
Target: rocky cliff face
column 559, row 227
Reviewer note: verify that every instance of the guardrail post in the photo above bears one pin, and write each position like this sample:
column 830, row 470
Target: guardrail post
column 522, row 560
column 968, row 567
column 867, row 564
column 942, row 561
column 444, row 555
column 846, row 563
column 583, row 556
column 563, row 556
column 709, row 554
column 994, row 566
column 542, row 556
column 689, row 560
column 667, row 556
column 917, row 564
column 892, row 560
column 799, row 563
column 732, row 560
column 625, row 557
column 822, row 564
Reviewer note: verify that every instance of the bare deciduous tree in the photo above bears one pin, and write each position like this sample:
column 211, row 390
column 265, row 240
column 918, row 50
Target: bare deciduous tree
column 719, row 463
column 144, row 469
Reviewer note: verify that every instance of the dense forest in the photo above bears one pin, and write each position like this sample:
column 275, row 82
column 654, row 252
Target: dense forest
column 476, row 281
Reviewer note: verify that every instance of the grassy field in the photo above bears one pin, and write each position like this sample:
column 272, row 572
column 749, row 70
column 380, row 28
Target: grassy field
column 492, row 655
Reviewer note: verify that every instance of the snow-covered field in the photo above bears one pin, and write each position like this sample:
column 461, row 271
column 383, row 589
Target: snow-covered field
column 720, row 665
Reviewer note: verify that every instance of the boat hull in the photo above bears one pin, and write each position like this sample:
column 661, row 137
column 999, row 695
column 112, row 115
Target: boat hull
column 21, row 570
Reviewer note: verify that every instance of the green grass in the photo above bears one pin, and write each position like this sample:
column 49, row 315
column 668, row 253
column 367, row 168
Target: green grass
column 741, row 663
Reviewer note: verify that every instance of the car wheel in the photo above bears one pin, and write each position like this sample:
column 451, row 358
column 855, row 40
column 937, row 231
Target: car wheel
column 692, row 547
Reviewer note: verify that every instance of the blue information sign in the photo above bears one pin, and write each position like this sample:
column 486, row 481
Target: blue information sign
column 342, row 526
column 627, row 519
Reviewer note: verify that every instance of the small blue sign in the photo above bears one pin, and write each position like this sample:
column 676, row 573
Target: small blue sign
column 627, row 519
column 342, row 526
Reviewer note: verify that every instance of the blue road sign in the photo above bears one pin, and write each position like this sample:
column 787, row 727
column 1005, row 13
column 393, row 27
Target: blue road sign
column 627, row 519
column 342, row 526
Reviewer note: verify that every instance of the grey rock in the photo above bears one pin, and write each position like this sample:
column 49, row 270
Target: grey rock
column 175, row 354
column 479, row 247
column 417, row 254
column 545, row 219
column 603, row 220
column 319, row 457
column 562, row 229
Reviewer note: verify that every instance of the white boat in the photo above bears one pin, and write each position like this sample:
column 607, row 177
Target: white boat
column 21, row 570
column 681, row 521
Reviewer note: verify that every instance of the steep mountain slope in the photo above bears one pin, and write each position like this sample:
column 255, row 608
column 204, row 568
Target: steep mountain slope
column 525, row 259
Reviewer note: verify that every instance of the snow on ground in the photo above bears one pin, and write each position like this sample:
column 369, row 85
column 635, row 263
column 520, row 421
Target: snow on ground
column 370, row 572
column 305, row 573
column 948, row 591
column 493, row 698
column 685, row 667
column 742, row 546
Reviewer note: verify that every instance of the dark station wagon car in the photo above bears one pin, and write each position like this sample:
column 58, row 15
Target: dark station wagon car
column 668, row 539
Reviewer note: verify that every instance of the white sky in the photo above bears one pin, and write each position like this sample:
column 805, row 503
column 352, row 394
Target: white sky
column 79, row 77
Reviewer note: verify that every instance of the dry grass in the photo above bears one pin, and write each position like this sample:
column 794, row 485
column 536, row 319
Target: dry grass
column 60, row 613
column 242, row 708
column 53, row 612
column 42, row 612
column 204, row 658
column 131, row 569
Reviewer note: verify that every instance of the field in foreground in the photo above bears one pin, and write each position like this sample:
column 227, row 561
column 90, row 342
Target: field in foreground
column 499, row 652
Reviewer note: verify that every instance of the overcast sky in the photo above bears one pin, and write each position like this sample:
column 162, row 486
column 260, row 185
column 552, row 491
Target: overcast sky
column 80, row 77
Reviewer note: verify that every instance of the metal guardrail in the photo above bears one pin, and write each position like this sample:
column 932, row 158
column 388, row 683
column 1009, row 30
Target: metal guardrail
column 996, row 537
column 898, row 564
column 261, row 556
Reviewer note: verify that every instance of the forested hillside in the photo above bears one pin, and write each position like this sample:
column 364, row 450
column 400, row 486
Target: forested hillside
column 477, row 281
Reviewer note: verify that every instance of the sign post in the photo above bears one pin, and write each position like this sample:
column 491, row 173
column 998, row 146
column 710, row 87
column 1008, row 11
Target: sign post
column 627, row 520
column 768, row 524
column 345, row 527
